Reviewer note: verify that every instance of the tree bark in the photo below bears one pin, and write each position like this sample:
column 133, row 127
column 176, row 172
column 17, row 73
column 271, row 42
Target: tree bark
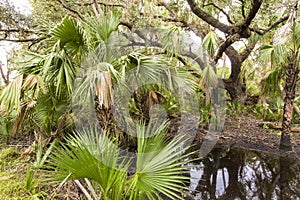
column 289, row 89
column 236, row 89
column 234, row 85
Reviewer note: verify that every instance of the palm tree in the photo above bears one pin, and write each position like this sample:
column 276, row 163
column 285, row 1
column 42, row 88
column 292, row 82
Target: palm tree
column 284, row 58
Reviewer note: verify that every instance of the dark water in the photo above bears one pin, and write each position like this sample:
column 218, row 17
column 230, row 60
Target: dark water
column 232, row 173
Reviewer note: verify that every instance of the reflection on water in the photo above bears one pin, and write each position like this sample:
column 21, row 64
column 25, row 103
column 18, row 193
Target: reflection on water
column 232, row 173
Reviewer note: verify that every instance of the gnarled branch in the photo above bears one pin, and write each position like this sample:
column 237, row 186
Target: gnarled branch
column 207, row 17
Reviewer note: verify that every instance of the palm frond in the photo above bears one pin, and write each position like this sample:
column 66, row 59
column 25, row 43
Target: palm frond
column 270, row 83
column 209, row 77
column 11, row 95
column 96, row 81
column 274, row 54
column 25, row 111
column 33, row 84
column 172, row 39
column 70, row 36
column 210, row 43
column 49, row 110
column 98, row 31
column 296, row 30
column 59, row 70
column 91, row 155
column 160, row 164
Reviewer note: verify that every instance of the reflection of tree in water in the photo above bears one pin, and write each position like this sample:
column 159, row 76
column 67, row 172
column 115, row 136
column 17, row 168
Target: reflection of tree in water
column 243, row 174
column 289, row 187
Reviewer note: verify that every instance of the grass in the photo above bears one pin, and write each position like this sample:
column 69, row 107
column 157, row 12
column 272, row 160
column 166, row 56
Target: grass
column 16, row 181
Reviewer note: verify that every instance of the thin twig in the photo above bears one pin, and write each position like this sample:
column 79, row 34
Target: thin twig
column 85, row 192
column 74, row 12
column 221, row 10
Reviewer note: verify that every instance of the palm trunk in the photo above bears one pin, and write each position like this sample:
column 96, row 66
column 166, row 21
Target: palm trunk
column 290, row 85
column 104, row 102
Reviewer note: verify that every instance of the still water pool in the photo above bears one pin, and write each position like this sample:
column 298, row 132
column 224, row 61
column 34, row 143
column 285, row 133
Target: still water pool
column 234, row 173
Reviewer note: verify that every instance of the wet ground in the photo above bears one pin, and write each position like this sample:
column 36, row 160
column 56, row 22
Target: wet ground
column 235, row 173
column 246, row 132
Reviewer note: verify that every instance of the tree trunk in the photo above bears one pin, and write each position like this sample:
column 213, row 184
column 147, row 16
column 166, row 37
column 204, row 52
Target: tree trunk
column 235, row 86
column 289, row 89
column 236, row 89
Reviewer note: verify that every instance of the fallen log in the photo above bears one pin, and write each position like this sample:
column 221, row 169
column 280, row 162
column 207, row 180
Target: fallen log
column 276, row 126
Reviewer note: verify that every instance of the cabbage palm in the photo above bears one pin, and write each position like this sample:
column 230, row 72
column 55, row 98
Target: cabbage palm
column 284, row 57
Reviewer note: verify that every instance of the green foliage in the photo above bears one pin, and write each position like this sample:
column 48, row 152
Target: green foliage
column 11, row 95
column 69, row 35
column 210, row 43
column 235, row 108
column 6, row 123
column 98, row 32
column 159, row 166
column 59, row 71
column 159, row 163
column 205, row 114
column 49, row 111
column 17, row 180
column 40, row 159
column 30, row 182
column 270, row 112
column 173, row 41
column 275, row 54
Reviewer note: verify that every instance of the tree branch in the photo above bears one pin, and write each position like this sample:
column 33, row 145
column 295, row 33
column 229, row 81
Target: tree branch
column 171, row 19
column 243, row 8
column 23, row 40
column 207, row 17
column 101, row 3
column 73, row 12
column 253, row 11
column 229, row 41
column 221, row 10
column 244, row 54
column 148, row 42
column 126, row 24
column 264, row 31
column 164, row 4
column 16, row 30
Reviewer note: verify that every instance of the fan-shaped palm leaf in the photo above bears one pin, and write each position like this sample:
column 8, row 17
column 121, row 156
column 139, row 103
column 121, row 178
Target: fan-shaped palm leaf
column 91, row 155
column 70, row 36
column 95, row 81
column 160, row 164
column 100, row 29
column 209, row 77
